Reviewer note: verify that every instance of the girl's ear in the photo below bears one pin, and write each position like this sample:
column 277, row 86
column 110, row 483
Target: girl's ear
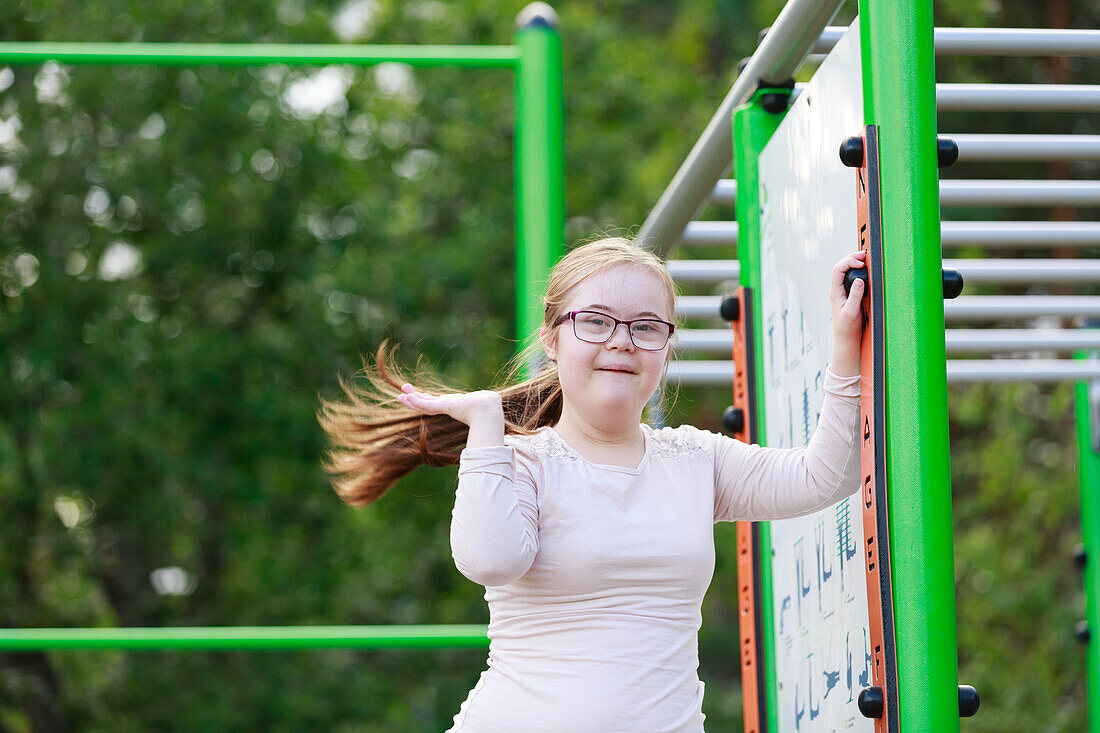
column 549, row 339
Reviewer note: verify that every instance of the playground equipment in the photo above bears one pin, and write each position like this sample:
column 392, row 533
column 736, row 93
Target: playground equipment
column 540, row 219
column 899, row 99
column 909, row 621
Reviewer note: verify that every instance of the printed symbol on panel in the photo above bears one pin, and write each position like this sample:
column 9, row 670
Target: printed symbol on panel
column 800, row 578
column 848, row 653
column 865, row 675
column 824, row 572
column 815, row 710
column 831, row 678
column 799, row 712
column 846, row 549
column 783, row 608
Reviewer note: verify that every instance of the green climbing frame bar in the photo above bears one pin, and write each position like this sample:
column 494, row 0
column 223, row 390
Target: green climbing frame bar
column 540, row 225
column 899, row 95
column 1088, row 448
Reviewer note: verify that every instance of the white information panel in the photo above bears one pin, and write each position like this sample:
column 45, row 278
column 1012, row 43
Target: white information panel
column 807, row 223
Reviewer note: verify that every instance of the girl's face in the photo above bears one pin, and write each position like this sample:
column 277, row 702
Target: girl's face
column 608, row 384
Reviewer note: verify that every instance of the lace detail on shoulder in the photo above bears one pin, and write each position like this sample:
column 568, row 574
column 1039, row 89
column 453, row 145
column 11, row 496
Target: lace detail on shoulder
column 546, row 442
column 676, row 442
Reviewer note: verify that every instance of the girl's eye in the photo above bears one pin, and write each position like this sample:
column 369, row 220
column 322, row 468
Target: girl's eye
column 643, row 327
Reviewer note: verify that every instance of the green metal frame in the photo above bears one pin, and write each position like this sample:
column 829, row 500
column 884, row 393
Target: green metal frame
column 540, row 229
column 1088, row 434
column 899, row 96
column 752, row 129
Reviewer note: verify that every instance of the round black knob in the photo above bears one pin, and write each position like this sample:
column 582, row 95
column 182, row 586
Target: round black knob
column 733, row 420
column 968, row 701
column 871, row 702
column 855, row 273
column 1082, row 632
column 952, row 283
column 775, row 102
column 851, row 152
column 730, row 310
column 1080, row 557
column 947, row 151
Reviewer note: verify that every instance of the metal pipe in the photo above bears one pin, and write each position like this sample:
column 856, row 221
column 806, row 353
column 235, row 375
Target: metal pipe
column 996, row 41
column 720, row 373
column 709, row 233
column 258, row 54
column 960, row 340
column 1019, row 193
column 246, row 637
column 1030, row 97
column 1027, row 147
column 724, row 192
column 1026, row 271
column 775, row 60
column 703, row 271
column 993, row 307
column 1020, row 233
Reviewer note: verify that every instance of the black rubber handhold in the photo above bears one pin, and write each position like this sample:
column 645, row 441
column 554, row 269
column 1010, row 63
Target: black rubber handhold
column 733, row 420
column 871, row 702
column 1080, row 557
column 730, row 310
column 969, row 702
column 853, row 274
column 775, row 103
column 1082, row 632
column 947, row 151
column 952, row 283
column 851, row 152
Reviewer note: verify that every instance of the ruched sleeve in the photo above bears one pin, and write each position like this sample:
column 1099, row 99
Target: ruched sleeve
column 758, row 484
column 494, row 524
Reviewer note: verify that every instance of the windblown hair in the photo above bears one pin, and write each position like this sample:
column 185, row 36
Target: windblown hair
column 375, row 440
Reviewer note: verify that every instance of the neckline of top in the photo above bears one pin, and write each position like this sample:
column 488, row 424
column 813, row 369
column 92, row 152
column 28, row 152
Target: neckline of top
column 647, row 436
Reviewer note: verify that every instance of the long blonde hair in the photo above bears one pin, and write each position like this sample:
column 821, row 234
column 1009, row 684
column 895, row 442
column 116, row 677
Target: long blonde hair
column 375, row 440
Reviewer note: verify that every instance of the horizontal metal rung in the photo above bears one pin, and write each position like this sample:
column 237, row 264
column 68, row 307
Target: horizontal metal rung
column 993, row 307
column 704, row 340
column 1020, row 233
column 1019, row 193
column 1026, row 271
column 1021, row 339
column 996, row 41
column 710, row 233
column 703, row 271
column 1003, row 97
column 720, row 373
column 1026, row 147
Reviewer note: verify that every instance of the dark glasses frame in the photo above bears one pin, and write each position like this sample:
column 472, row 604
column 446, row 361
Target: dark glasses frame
column 572, row 316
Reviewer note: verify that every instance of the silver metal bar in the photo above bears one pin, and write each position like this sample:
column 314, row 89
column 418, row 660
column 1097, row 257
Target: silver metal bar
column 994, row 307
column 775, row 60
column 1027, row 147
column 973, row 270
column 1035, row 97
column 710, row 233
column 1026, row 271
column 704, row 340
column 699, row 306
column 1019, row 193
column 1021, row 370
column 1020, row 233
column 724, row 192
column 720, row 373
column 961, row 340
column 704, row 271
column 996, row 41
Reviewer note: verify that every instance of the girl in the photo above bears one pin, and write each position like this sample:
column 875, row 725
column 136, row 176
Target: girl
column 590, row 530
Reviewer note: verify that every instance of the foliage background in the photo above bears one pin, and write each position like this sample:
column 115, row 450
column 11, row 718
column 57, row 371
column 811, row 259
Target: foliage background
column 190, row 256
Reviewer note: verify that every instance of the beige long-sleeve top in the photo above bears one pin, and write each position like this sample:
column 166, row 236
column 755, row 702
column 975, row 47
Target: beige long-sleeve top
column 595, row 574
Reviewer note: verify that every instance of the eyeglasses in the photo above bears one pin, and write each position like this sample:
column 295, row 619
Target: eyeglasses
column 647, row 334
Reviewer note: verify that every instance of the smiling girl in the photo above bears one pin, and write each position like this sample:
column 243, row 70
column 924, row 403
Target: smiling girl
column 591, row 531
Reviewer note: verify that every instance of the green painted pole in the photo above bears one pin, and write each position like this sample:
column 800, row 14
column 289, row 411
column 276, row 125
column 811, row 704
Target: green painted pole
column 257, row 54
column 899, row 95
column 1088, row 448
column 540, row 162
column 247, row 637
column 753, row 126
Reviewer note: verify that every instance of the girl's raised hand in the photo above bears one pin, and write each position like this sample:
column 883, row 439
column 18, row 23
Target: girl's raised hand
column 847, row 315
column 481, row 410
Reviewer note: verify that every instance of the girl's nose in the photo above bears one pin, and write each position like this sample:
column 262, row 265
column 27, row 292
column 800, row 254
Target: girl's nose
column 622, row 341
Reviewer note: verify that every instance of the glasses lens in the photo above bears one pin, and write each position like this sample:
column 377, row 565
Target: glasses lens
column 651, row 335
column 594, row 327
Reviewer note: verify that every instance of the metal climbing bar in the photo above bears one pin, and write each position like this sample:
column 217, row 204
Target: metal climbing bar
column 996, row 41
